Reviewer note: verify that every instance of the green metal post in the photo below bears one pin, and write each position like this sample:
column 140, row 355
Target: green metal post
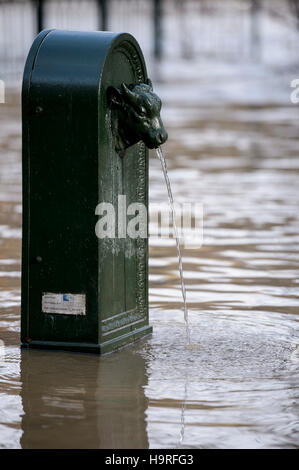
column 103, row 14
column 80, row 292
column 39, row 15
column 158, row 32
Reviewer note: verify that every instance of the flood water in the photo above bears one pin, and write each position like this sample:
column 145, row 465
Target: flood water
column 233, row 146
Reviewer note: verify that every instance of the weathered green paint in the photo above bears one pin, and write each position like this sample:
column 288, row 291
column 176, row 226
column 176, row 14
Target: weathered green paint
column 70, row 164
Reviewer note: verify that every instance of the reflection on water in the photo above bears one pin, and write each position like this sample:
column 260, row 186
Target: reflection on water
column 80, row 401
column 240, row 388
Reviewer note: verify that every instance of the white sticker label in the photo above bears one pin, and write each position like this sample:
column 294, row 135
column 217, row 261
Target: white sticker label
column 66, row 304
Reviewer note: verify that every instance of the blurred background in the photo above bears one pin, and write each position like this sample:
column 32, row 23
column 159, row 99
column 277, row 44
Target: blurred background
column 234, row 30
column 223, row 69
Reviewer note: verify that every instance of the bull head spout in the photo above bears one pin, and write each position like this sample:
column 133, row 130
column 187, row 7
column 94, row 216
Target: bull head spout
column 136, row 116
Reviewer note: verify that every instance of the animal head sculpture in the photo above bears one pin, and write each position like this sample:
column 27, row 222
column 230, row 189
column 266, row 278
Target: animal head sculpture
column 138, row 115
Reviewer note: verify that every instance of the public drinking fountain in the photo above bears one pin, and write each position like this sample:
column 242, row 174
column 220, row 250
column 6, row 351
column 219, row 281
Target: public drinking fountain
column 89, row 116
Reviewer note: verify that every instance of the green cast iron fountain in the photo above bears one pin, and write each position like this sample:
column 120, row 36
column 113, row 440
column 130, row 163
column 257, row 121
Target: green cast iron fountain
column 89, row 114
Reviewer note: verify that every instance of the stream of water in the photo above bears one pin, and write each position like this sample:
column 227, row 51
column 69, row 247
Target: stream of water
column 177, row 239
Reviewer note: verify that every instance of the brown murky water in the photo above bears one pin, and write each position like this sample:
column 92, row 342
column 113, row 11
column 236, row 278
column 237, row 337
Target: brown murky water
column 240, row 158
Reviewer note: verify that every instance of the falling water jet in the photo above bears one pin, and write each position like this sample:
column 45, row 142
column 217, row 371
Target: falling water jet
column 171, row 203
